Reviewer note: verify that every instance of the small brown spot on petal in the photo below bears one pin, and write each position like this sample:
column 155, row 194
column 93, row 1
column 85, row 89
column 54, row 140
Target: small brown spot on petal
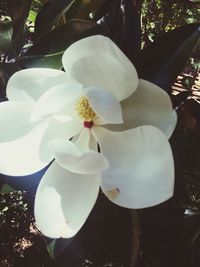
column 113, row 193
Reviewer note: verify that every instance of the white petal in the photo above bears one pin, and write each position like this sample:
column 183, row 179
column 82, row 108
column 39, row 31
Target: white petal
column 64, row 200
column 149, row 105
column 104, row 104
column 14, row 120
column 141, row 172
column 30, row 84
column 69, row 156
column 97, row 61
column 58, row 127
column 21, row 156
column 55, row 99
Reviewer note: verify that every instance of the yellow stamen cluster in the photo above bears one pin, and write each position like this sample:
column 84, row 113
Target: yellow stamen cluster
column 84, row 110
column 113, row 193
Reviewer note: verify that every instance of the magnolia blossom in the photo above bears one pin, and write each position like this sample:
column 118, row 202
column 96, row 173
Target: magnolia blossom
column 103, row 126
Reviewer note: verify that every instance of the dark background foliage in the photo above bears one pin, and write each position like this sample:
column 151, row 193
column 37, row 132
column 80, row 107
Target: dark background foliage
column 36, row 33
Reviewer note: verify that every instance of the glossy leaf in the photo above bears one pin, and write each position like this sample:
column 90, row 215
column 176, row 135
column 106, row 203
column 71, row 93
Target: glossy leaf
column 161, row 62
column 49, row 15
column 60, row 38
column 18, row 10
column 56, row 247
column 5, row 35
column 122, row 19
column 43, row 61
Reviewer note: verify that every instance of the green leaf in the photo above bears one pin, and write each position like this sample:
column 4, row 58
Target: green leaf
column 49, row 15
column 44, row 61
column 59, row 39
column 161, row 62
column 56, row 247
column 6, row 188
column 32, row 16
column 18, row 11
column 51, row 248
column 5, row 35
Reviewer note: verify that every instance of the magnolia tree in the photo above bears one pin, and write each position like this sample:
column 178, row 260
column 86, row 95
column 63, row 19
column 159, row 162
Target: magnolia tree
column 81, row 118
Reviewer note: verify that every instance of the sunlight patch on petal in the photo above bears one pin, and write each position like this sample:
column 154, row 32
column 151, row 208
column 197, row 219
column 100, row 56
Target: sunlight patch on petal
column 64, row 200
column 21, row 156
column 29, row 84
column 55, row 99
column 14, row 120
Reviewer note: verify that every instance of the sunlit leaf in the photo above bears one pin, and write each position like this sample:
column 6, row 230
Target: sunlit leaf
column 6, row 188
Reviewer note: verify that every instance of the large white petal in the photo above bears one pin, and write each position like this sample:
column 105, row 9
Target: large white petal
column 141, row 172
column 22, row 156
column 30, row 84
column 14, row 120
column 64, row 200
column 149, row 105
column 55, row 99
column 104, row 104
column 58, row 127
column 97, row 61
column 70, row 157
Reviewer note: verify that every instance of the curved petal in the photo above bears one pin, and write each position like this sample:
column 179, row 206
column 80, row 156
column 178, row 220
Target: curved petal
column 58, row 127
column 55, row 99
column 14, row 120
column 21, row 156
column 30, row 84
column 64, row 200
column 97, row 61
column 69, row 156
column 149, row 105
column 141, row 172
column 104, row 104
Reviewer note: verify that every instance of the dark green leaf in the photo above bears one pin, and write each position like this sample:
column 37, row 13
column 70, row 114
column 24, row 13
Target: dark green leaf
column 49, row 15
column 43, row 61
column 18, row 10
column 59, row 39
column 56, row 247
column 161, row 62
column 122, row 19
column 5, row 35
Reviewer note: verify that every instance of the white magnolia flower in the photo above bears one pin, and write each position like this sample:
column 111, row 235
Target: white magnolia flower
column 98, row 102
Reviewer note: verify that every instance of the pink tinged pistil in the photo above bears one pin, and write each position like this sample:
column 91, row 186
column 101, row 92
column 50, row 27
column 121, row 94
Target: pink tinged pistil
column 88, row 124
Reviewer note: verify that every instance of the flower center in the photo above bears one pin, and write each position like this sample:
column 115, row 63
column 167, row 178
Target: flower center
column 85, row 111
